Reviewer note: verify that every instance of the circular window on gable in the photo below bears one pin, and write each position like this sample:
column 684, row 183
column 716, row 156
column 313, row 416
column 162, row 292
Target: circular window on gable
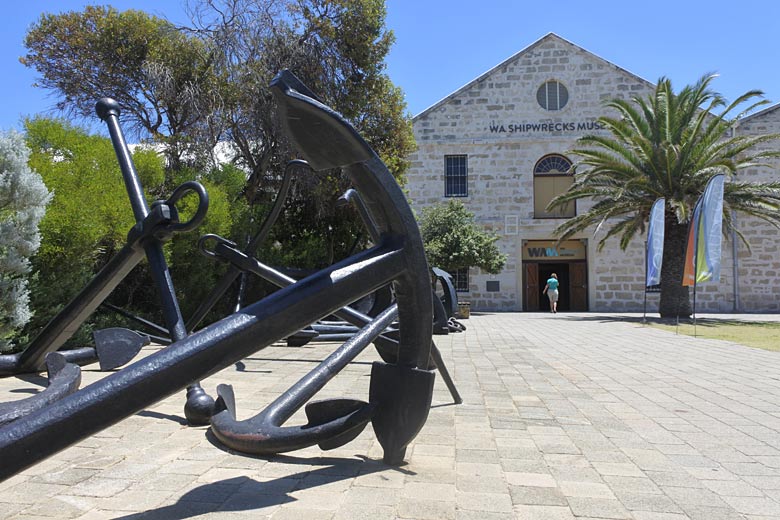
column 552, row 95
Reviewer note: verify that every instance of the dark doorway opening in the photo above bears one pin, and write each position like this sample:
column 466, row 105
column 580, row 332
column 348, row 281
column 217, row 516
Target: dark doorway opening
column 562, row 271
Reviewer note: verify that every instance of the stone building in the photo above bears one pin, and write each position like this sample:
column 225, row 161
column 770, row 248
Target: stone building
column 499, row 144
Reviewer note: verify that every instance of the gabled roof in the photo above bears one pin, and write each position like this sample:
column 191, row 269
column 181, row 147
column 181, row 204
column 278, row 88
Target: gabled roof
column 760, row 113
column 517, row 55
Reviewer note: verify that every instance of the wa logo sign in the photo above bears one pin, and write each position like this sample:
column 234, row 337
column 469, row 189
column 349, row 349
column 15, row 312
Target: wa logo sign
column 542, row 252
column 549, row 252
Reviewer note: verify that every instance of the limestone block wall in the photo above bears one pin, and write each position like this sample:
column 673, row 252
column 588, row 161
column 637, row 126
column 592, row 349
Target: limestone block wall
column 617, row 277
column 759, row 267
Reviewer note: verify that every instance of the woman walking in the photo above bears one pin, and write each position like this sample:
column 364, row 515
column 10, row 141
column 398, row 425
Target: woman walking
column 551, row 289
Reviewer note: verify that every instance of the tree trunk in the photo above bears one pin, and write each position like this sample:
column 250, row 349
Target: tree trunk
column 675, row 301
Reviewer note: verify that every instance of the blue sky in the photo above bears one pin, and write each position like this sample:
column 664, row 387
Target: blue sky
column 443, row 44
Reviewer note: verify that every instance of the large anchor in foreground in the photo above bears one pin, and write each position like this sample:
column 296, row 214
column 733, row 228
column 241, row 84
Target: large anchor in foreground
column 400, row 392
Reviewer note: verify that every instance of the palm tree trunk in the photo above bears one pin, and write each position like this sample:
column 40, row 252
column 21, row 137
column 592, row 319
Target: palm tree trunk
column 675, row 301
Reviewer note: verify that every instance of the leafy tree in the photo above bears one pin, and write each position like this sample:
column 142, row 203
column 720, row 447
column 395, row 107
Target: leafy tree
column 668, row 145
column 23, row 199
column 159, row 75
column 454, row 241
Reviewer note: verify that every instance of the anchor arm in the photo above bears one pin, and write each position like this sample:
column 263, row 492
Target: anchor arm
column 265, row 434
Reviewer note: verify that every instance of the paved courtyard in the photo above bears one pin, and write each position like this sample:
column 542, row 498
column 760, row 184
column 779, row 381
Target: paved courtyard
column 583, row 416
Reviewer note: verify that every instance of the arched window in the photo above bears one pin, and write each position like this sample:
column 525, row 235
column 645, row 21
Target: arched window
column 552, row 95
column 552, row 177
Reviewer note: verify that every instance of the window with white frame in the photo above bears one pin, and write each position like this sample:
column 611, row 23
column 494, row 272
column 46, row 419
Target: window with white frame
column 552, row 95
column 456, row 176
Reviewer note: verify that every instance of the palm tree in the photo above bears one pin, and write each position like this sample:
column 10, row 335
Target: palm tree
column 668, row 145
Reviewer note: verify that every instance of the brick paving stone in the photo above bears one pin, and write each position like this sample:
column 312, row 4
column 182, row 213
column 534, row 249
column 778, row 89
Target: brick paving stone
column 7, row 509
column 481, row 484
column 657, row 503
column 753, row 505
column 531, row 479
column 477, row 469
column 652, row 515
column 429, row 491
column 437, row 450
column 732, row 488
column 693, row 496
column 575, row 474
column 253, row 504
column 632, row 484
column 212, row 493
column 586, row 490
column 598, row 507
column 534, row 512
column 23, row 516
column 621, row 469
column 764, row 483
column 699, row 512
column 98, row 486
column 426, row 509
column 539, row 496
column 297, row 514
column 376, row 496
column 56, row 508
column 673, row 479
column 704, row 474
column 483, row 515
column 361, row 512
column 433, row 473
column 65, row 476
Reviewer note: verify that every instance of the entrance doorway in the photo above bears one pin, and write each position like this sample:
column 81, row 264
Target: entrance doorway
column 572, row 289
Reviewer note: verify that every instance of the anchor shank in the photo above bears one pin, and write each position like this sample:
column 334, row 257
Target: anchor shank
column 289, row 402
column 69, row 319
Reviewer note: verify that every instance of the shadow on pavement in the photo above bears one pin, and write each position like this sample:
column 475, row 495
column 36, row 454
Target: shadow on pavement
column 246, row 494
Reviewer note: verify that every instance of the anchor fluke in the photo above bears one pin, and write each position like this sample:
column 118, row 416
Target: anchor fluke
column 64, row 379
column 327, row 410
column 403, row 398
column 116, row 346
column 331, row 424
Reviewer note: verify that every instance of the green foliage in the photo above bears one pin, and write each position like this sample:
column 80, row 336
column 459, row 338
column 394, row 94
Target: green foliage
column 454, row 241
column 669, row 145
column 89, row 216
column 23, row 199
column 194, row 274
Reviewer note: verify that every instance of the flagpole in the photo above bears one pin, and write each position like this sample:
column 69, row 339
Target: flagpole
column 694, row 308
column 695, row 272
column 644, row 308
